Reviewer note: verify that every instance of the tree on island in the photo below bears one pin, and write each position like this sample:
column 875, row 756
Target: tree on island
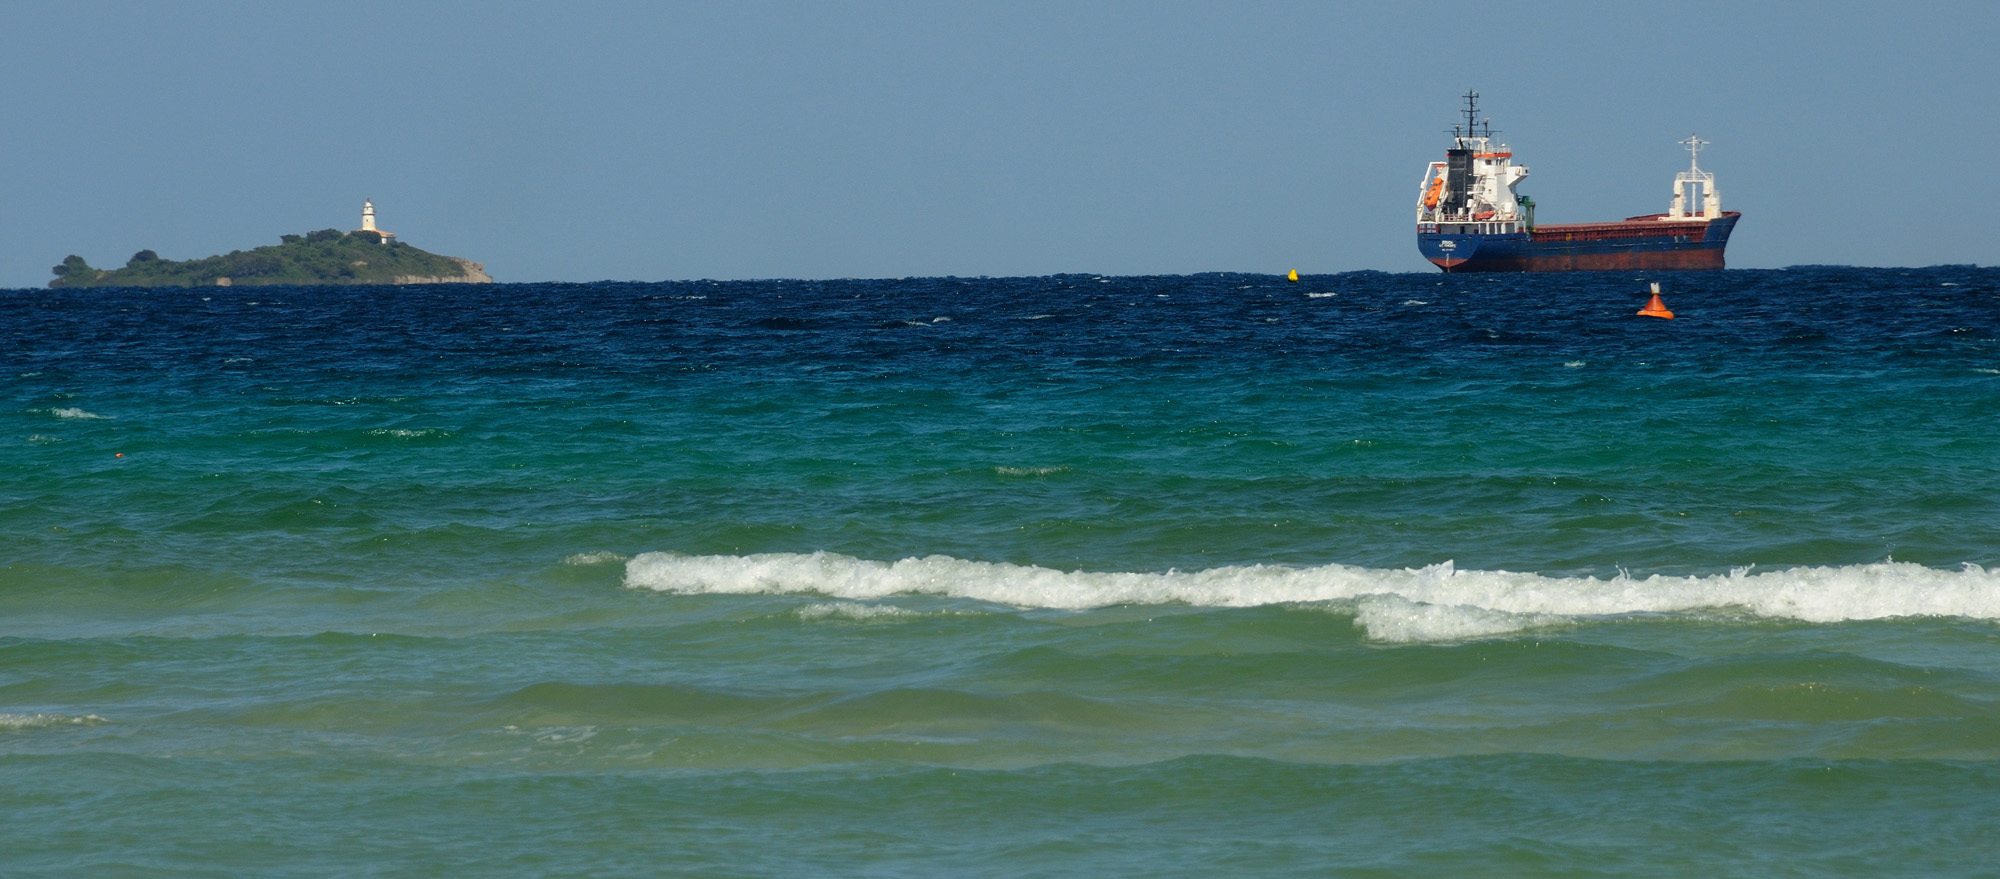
column 72, row 265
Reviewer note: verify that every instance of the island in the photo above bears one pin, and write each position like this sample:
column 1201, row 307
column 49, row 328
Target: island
column 364, row 256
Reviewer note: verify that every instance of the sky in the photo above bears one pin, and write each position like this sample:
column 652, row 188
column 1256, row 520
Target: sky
column 659, row 141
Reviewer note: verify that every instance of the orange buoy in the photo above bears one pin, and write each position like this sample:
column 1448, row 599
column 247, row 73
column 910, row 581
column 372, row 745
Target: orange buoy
column 1656, row 308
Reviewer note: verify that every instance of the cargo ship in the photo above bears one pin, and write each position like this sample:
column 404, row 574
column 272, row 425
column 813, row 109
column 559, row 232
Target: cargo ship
column 1469, row 219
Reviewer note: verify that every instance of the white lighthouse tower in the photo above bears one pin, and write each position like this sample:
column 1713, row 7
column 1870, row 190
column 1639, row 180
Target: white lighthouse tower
column 368, row 221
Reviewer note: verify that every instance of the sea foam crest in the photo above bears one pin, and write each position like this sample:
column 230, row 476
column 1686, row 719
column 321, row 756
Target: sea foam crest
column 1430, row 603
column 1031, row 471
column 598, row 557
column 853, row 610
column 44, row 721
column 1394, row 618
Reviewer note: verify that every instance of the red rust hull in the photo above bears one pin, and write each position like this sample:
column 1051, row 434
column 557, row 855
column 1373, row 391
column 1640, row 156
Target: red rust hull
column 1640, row 243
column 1674, row 260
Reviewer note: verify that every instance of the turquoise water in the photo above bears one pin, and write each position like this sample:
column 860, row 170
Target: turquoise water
column 1375, row 575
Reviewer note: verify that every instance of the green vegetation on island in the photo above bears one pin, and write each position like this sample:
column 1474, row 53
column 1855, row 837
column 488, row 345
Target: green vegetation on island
column 328, row 256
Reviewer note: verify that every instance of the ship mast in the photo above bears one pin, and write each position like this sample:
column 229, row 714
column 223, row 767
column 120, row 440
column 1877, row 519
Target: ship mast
column 1694, row 145
column 1474, row 128
column 1692, row 181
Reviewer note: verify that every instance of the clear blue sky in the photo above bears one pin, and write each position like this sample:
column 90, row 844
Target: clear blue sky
column 658, row 141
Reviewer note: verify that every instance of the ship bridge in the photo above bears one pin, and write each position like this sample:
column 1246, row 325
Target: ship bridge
column 1472, row 190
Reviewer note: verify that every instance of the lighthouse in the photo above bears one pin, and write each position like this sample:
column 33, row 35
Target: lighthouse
column 368, row 221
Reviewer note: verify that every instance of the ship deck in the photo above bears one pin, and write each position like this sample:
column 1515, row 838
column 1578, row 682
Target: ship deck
column 1648, row 226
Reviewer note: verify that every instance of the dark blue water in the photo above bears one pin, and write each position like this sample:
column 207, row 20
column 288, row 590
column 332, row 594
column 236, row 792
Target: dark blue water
column 1375, row 574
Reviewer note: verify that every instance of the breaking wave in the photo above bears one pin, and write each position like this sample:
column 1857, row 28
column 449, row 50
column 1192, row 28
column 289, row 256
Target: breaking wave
column 1438, row 602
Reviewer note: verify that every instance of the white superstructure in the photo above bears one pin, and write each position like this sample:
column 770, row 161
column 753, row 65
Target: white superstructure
column 1694, row 183
column 1472, row 190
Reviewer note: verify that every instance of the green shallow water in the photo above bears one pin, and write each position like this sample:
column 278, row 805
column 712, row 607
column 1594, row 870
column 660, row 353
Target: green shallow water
column 1374, row 575
column 1513, row 815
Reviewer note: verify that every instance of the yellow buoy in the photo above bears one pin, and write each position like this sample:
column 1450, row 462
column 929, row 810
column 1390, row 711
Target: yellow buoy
column 1293, row 276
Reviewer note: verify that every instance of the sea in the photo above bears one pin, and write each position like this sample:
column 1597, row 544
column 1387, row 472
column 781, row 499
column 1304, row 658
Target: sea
column 1367, row 574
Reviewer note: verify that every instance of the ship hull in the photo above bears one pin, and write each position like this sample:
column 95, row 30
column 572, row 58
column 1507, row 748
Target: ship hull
column 1637, row 243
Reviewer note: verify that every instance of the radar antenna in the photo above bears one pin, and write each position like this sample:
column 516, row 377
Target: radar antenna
column 1473, row 126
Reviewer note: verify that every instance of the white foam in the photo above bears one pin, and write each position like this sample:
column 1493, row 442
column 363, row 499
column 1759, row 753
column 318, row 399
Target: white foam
column 404, row 433
column 1030, row 471
column 1320, row 295
column 594, row 558
column 44, row 721
column 1415, row 302
column 854, row 611
column 1427, row 603
column 554, row 735
column 1575, row 364
column 73, row 412
column 41, row 440
column 1394, row 618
